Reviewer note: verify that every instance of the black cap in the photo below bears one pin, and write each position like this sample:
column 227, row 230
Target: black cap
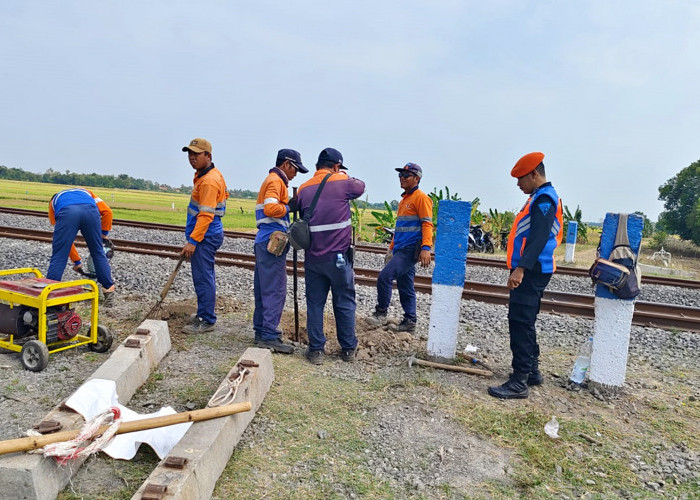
column 330, row 156
column 293, row 156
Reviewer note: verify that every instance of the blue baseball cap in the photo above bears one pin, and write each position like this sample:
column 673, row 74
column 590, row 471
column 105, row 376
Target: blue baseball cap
column 414, row 168
column 331, row 156
column 293, row 156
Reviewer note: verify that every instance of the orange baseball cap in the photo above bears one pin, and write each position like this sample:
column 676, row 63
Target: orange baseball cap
column 527, row 164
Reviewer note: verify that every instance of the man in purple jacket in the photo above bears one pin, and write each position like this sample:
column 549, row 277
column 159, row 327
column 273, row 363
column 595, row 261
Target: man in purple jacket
column 328, row 261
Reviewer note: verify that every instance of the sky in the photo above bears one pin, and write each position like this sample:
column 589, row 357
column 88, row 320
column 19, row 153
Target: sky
column 608, row 91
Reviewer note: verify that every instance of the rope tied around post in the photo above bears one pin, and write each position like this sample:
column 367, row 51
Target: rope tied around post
column 226, row 394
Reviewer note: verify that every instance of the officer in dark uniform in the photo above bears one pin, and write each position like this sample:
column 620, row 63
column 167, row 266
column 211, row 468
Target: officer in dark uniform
column 535, row 234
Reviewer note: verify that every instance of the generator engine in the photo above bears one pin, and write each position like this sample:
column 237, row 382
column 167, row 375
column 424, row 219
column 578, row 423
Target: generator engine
column 62, row 323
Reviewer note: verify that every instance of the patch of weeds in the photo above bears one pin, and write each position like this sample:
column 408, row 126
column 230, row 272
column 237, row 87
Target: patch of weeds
column 131, row 472
column 657, row 405
column 15, row 385
column 197, row 392
column 673, row 428
column 313, row 448
column 151, row 383
column 521, row 428
column 91, row 357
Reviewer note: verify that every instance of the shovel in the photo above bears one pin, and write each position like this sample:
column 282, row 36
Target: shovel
column 166, row 288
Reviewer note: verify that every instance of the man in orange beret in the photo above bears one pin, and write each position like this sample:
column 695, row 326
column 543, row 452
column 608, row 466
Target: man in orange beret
column 536, row 233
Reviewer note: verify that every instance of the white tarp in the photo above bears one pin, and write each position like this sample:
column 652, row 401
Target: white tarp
column 96, row 396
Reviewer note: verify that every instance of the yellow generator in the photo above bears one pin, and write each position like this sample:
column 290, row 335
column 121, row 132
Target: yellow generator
column 37, row 317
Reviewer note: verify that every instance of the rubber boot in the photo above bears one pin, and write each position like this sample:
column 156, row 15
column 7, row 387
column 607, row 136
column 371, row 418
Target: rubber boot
column 514, row 388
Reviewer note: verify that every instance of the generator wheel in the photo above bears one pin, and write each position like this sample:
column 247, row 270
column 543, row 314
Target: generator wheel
column 35, row 356
column 104, row 340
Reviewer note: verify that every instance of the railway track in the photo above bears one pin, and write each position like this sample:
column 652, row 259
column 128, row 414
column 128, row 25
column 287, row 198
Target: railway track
column 472, row 259
column 645, row 314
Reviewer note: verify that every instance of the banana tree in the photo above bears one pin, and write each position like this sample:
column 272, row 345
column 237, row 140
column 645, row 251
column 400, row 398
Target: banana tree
column 582, row 232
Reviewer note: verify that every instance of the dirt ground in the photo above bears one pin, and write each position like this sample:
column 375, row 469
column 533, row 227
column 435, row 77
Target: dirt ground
column 416, row 436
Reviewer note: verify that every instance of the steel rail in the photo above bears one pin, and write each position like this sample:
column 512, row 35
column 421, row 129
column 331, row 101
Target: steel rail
column 645, row 313
column 471, row 259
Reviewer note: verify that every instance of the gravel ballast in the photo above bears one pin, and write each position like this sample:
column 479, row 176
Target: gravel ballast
column 27, row 396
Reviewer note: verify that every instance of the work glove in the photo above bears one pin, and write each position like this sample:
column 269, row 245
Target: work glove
column 78, row 267
column 293, row 204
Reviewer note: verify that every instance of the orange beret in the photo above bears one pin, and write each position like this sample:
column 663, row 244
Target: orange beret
column 527, row 164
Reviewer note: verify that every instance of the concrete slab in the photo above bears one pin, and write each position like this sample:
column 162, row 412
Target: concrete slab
column 32, row 477
column 208, row 445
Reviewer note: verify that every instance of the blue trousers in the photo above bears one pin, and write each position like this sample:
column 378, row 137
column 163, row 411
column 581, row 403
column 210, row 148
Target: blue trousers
column 270, row 290
column 204, row 277
column 69, row 220
column 523, row 308
column 321, row 275
column 402, row 269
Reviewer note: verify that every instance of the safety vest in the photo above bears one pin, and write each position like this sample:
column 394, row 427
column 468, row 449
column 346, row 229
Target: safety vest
column 207, row 206
column 521, row 229
column 414, row 221
column 274, row 196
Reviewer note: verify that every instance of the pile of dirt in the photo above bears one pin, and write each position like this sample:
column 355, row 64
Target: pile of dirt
column 373, row 343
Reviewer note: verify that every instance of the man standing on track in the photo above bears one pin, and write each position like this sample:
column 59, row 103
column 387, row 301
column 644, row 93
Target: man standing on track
column 271, row 247
column 412, row 241
column 204, row 231
column 76, row 209
column 535, row 234
column 328, row 263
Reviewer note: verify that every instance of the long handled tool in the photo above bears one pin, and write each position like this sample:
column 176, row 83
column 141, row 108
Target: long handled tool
column 35, row 442
column 474, row 371
column 295, row 278
column 166, row 288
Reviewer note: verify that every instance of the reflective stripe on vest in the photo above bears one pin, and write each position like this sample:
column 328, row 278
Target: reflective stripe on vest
column 194, row 208
column 521, row 229
column 261, row 218
column 330, row 227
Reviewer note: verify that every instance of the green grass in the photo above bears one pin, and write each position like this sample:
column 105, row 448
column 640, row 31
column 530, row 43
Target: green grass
column 300, row 405
column 131, row 472
column 149, row 206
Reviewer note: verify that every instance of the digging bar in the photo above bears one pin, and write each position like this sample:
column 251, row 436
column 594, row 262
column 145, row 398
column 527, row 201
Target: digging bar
column 474, row 371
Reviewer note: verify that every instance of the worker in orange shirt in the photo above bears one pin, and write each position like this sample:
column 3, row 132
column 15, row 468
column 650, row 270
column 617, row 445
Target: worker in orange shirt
column 412, row 241
column 204, row 231
column 73, row 210
column 270, row 277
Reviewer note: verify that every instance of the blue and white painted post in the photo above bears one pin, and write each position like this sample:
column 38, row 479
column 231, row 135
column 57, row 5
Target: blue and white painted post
column 613, row 316
column 571, row 234
column 451, row 246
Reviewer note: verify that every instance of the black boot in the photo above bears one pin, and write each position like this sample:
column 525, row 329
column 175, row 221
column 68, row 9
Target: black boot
column 535, row 377
column 514, row 388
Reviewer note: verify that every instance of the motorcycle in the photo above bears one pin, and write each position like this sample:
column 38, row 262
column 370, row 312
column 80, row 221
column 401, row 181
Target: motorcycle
column 488, row 242
column 476, row 241
column 504, row 239
column 480, row 240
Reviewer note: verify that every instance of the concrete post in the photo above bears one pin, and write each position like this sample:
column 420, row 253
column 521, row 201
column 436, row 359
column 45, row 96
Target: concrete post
column 613, row 316
column 451, row 246
column 571, row 234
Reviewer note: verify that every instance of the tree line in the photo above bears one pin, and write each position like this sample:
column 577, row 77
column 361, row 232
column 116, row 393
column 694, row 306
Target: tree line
column 680, row 194
column 121, row 181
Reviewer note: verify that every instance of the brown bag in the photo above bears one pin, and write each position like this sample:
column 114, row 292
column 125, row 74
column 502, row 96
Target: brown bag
column 277, row 243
